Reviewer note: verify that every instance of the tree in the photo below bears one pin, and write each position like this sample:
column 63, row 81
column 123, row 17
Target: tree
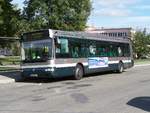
column 140, row 44
column 9, row 16
column 1, row 20
column 57, row 14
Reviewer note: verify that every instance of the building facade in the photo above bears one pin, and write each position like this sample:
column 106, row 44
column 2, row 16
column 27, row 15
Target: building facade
column 9, row 45
column 113, row 32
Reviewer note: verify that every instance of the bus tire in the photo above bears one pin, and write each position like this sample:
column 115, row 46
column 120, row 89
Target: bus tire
column 78, row 72
column 120, row 67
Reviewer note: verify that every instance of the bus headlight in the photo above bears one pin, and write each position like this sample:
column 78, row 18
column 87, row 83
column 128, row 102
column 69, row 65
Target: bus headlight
column 49, row 69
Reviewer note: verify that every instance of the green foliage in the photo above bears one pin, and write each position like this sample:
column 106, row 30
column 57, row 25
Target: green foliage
column 57, row 14
column 9, row 60
column 42, row 14
column 1, row 20
column 140, row 44
column 8, row 18
column 141, row 61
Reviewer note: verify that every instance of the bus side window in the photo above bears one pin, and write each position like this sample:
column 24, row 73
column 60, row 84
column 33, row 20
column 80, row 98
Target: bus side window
column 113, row 50
column 62, row 49
column 103, row 52
column 84, row 51
column 92, row 49
column 120, row 53
column 78, row 48
column 126, row 50
column 57, row 46
column 76, row 51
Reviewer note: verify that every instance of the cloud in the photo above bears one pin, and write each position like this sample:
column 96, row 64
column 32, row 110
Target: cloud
column 143, row 7
column 112, row 12
column 142, row 19
column 132, row 21
column 121, row 13
column 113, row 8
column 115, row 3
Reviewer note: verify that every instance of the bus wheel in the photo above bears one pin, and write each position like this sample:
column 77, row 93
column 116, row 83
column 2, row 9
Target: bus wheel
column 120, row 67
column 78, row 72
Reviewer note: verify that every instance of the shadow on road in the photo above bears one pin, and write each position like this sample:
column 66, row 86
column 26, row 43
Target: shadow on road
column 44, row 80
column 51, row 80
column 16, row 75
column 10, row 74
column 141, row 103
column 105, row 73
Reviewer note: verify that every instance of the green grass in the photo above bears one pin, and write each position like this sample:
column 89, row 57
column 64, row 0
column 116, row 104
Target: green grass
column 141, row 61
column 7, row 69
column 10, row 60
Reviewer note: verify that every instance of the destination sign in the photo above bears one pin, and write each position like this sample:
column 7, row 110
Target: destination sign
column 38, row 35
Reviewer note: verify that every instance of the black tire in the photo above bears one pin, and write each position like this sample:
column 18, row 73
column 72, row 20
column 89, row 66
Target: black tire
column 78, row 72
column 120, row 67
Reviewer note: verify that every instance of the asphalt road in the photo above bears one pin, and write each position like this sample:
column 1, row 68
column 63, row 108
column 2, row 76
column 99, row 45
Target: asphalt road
column 128, row 92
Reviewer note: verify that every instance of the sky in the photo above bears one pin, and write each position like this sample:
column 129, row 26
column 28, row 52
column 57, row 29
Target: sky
column 117, row 13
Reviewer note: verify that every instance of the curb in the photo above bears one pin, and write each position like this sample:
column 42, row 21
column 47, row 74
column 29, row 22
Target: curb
column 9, row 77
column 7, row 81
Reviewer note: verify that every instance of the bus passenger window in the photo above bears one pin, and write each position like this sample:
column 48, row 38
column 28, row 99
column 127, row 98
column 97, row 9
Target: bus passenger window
column 120, row 53
column 92, row 49
column 57, row 46
column 64, row 46
column 62, row 49
column 75, row 52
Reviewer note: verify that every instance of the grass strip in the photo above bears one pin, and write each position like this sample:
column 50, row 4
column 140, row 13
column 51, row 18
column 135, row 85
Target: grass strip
column 141, row 61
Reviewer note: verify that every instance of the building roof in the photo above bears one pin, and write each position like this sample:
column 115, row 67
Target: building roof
column 102, row 29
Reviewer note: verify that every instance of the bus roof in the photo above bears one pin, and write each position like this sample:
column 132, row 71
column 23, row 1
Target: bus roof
column 84, row 35
column 92, row 36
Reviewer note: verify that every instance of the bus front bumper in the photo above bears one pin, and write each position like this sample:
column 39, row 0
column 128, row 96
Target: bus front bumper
column 38, row 72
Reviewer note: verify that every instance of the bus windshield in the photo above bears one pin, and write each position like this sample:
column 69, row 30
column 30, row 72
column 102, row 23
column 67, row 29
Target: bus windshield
column 37, row 51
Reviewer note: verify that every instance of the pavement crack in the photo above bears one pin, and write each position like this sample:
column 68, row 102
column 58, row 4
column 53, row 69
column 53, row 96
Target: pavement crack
column 80, row 98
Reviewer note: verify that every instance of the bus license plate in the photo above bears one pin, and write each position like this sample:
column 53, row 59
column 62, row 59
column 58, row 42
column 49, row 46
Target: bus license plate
column 34, row 75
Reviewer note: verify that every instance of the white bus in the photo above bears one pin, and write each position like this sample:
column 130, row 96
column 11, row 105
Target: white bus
column 53, row 53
